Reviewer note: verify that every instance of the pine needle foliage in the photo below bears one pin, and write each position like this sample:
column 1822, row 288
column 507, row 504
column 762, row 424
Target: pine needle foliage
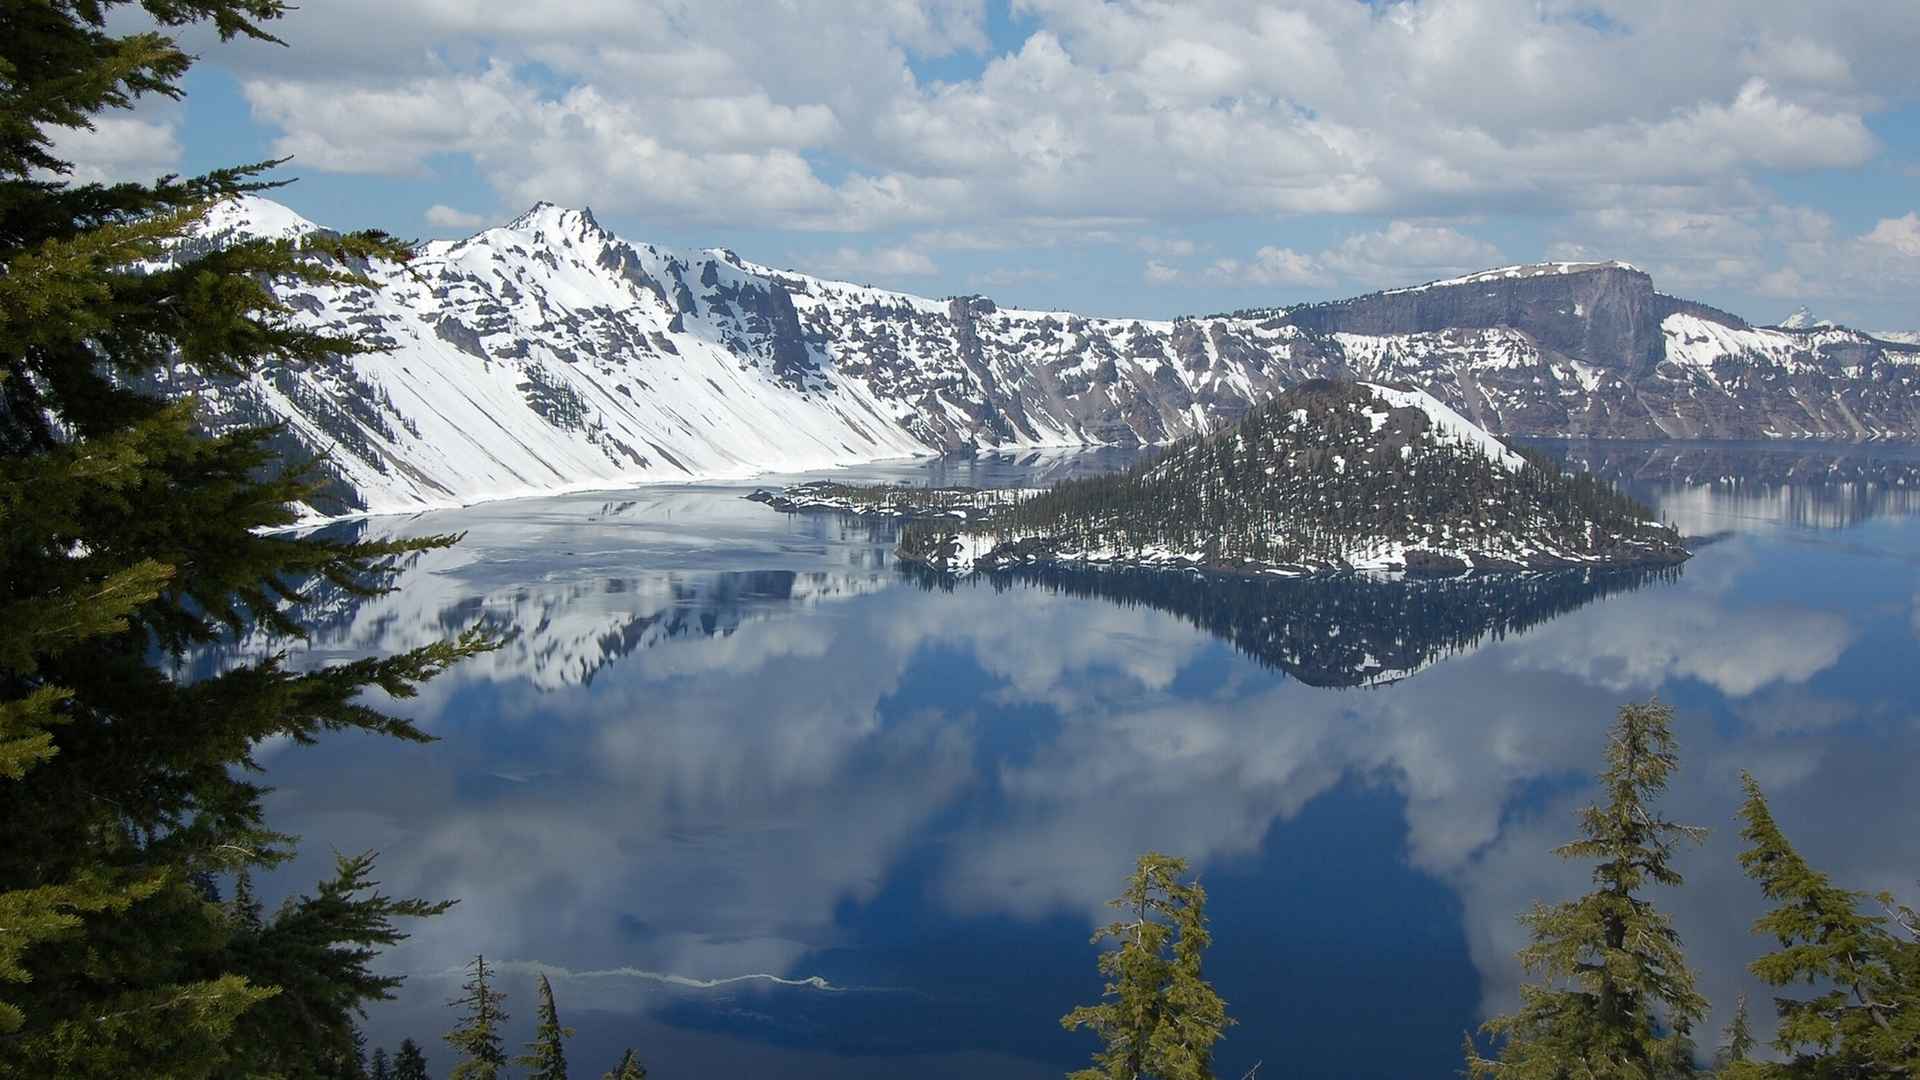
column 1863, row 1016
column 482, row 1015
column 409, row 1063
column 1616, row 1000
column 126, row 535
column 629, row 1068
column 546, row 1056
column 1735, row 1059
column 1159, row 1018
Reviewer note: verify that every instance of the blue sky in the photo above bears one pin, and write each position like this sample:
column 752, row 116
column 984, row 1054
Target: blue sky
column 1119, row 157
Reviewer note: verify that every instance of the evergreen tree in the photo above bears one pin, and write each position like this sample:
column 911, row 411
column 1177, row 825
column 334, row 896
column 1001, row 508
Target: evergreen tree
column 628, row 1069
column 546, row 1056
column 126, row 534
column 1617, row 1000
column 409, row 1063
column 1159, row 1017
column 379, row 1069
column 353, row 1063
column 477, row 1037
column 1864, row 1019
column 1735, row 1059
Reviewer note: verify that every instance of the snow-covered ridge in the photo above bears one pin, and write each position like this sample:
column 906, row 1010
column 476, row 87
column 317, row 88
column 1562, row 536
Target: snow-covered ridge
column 1517, row 273
column 550, row 355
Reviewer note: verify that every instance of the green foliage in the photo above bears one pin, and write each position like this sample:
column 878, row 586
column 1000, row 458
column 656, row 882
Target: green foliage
column 409, row 1063
column 477, row 1038
column 126, row 534
column 546, row 1056
column 1863, row 1016
column 1616, row 1000
column 379, row 1068
column 1159, row 1017
column 318, row 949
column 629, row 1068
column 1735, row 1059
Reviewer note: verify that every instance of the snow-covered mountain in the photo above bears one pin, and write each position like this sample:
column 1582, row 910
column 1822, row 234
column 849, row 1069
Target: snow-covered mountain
column 549, row 355
column 1804, row 319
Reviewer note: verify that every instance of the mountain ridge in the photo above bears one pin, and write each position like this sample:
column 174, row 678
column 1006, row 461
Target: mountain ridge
column 550, row 354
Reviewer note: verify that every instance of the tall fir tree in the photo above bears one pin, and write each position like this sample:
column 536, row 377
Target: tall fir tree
column 1863, row 1016
column 477, row 1037
column 1617, row 1000
column 546, row 1056
column 629, row 1068
column 1159, row 1017
column 379, row 1068
column 409, row 1063
column 1735, row 1058
column 126, row 534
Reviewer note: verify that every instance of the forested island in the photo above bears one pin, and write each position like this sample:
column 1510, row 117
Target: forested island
column 1327, row 477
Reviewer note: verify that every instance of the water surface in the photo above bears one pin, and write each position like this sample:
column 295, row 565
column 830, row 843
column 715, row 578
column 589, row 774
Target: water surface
column 762, row 804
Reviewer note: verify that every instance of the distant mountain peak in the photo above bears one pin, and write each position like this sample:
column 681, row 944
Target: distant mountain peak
column 544, row 218
column 253, row 217
column 1803, row 319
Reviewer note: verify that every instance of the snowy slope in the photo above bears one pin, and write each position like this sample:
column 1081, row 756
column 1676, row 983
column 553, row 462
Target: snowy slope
column 1448, row 426
column 549, row 355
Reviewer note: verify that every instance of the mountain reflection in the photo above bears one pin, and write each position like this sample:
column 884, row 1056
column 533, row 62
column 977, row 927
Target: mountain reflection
column 1345, row 630
column 1714, row 487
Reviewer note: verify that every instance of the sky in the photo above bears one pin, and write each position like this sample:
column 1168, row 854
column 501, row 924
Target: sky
column 1129, row 158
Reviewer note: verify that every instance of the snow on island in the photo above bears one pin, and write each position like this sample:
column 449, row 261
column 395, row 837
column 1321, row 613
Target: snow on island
column 1328, row 477
column 898, row 502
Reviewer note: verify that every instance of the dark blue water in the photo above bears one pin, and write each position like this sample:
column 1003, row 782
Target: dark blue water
column 761, row 804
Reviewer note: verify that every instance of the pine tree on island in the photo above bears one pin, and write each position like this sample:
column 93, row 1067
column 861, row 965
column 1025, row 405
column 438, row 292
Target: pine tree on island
column 477, row 1038
column 1159, row 1017
column 546, row 1056
column 1616, row 1000
column 379, row 1068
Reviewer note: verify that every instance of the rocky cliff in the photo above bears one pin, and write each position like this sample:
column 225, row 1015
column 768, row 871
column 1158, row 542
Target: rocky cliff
column 549, row 354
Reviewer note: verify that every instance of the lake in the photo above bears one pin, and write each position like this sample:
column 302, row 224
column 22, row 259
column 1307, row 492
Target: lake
column 762, row 804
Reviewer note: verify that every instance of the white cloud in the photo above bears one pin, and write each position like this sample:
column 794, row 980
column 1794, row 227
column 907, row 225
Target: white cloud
column 119, row 146
column 1132, row 108
column 1157, row 272
column 1405, row 253
column 447, row 217
column 1402, row 253
column 1167, row 246
column 1897, row 236
column 868, row 263
column 1271, row 266
column 1007, row 277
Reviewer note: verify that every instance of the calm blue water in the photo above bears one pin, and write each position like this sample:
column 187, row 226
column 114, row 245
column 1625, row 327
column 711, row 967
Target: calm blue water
column 763, row 805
